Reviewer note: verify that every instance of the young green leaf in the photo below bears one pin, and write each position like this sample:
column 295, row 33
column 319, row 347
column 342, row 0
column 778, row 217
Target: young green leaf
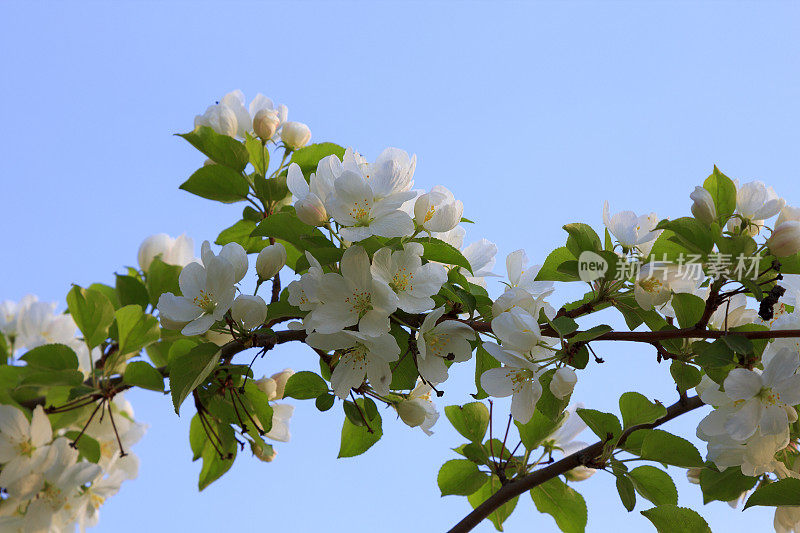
column 471, row 420
column 460, row 477
column 563, row 503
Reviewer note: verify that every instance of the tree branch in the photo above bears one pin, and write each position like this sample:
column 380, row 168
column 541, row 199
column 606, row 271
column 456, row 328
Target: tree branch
column 517, row 486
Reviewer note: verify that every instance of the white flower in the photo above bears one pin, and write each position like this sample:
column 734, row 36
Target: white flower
column 454, row 237
column 785, row 240
column 438, row 210
column 766, row 399
column 266, row 114
column 362, row 356
column 355, row 207
column 38, row 324
column 231, row 252
column 270, row 261
column 448, row 340
column 220, row 118
column 230, row 116
column 525, row 300
column 295, row 135
column 354, row 297
column 249, row 311
column 563, row 382
column 312, row 197
column 392, row 172
column 652, row 287
column 208, row 291
column 563, row 439
column 418, row 409
column 303, row 292
column 788, row 213
column 787, row 519
column 281, row 414
column 178, row 251
column 9, row 317
column 517, row 377
column 518, row 330
column 525, row 278
column 733, row 313
column 632, row 230
column 481, row 257
column 23, row 445
column 703, row 207
column 757, row 202
column 413, row 282
column 274, row 385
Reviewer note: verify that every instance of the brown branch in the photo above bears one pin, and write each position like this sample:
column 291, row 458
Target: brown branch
column 517, row 486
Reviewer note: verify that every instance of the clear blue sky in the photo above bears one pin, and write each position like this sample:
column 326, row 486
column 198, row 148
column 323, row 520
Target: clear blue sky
column 533, row 114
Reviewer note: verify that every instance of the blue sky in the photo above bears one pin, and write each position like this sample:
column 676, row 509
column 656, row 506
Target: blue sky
column 532, row 113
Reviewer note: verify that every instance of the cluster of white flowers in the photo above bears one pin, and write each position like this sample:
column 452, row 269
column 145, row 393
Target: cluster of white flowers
column 49, row 488
column 230, row 116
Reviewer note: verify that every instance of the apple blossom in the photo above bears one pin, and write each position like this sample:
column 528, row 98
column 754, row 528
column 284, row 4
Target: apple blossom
column 447, row 340
column 270, row 261
column 361, row 356
column 632, row 230
column 249, row 311
column 785, row 240
column 438, row 210
column 173, row 251
column 418, row 410
column 563, row 382
column 703, row 207
column 231, row 252
column 518, row 378
column 413, row 282
column 295, row 135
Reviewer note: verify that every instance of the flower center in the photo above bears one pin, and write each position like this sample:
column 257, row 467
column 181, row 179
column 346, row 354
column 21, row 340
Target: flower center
column 360, row 212
column 429, row 214
column 26, row 448
column 402, row 280
column 205, row 301
column 651, row 285
column 769, row 396
column 360, row 302
column 518, row 377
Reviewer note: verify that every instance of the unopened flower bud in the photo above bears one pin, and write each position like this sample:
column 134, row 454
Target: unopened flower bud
column 266, row 123
column 693, row 475
column 412, row 412
column 268, row 386
column 311, row 210
column 220, row 118
column 703, row 207
column 580, row 473
column 265, row 452
column 249, row 311
column 785, row 240
column 563, row 382
column 295, row 135
column 270, row 261
column 280, row 380
column 787, row 214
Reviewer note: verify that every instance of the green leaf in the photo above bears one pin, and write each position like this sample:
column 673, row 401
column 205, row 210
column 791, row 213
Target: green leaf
column 782, row 492
column 215, row 466
column 590, row 334
column 190, row 370
column 690, row 232
column 162, row 278
column 686, row 376
column 324, row 401
column 197, row 437
column 670, row 449
column 538, row 428
column 563, row 503
column 471, row 420
column 637, row 409
column 132, row 291
column 726, row 485
column 219, row 148
column 92, row 312
column 654, row 485
column 499, row 515
column 358, row 439
column 564, row 325
column 240, row 233
column 442, row 252
column 739, row 344
column 581, row 238
column 550, row 271
column 136, row 329
column 674, row 519
column 548, row 404
column 216, row 182
column 713, row 355
column 51, row 357
column 286, row 226
column 483, row 362
column 86, row 445
column 602, row 424
column 50, row 378
column 627, row 494
column 305, row 386
column 460, row 477
column 723, row 191
column 142, row 374
column 688, row 308
column 667, row 249
column 308, row 157
column 259, row 404
column 257, row 154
